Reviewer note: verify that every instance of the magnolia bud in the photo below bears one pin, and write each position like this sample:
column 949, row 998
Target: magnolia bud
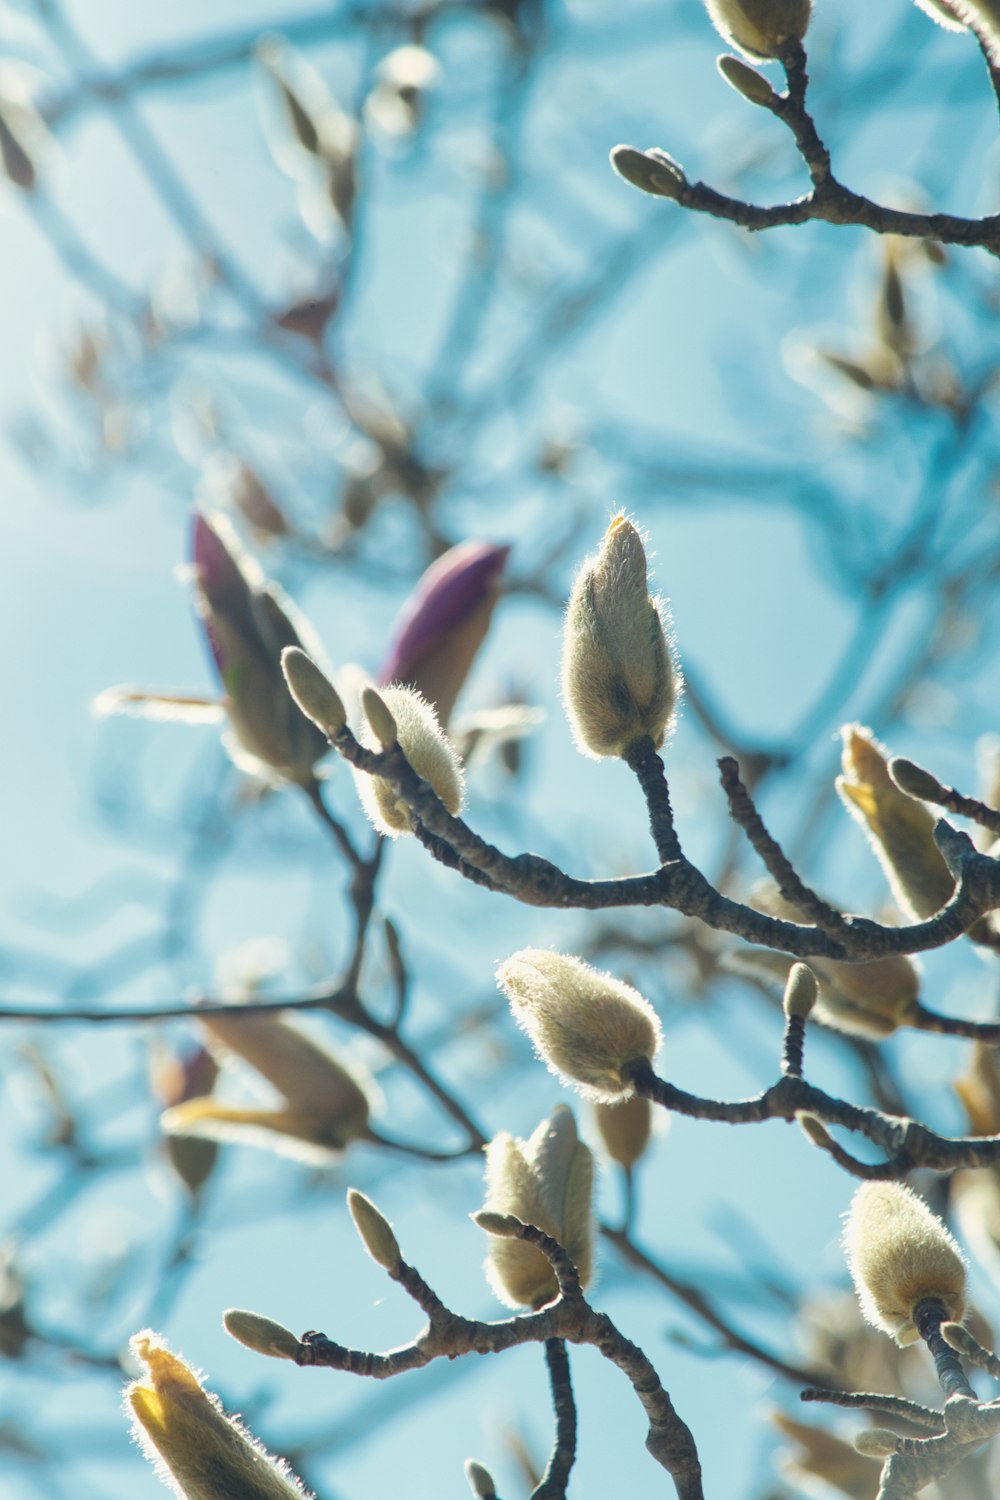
column 746, row 80
column 261, row 1334
column 760, row 28
column 877, row 1442
column 480, row 1480
column 625, row 1128
column 545, row 1181
column 801, row 991
column 313, row 691
column 652, row 171
column 400, row 713
column 821, row 1454
column 184, row 1430
column 586, row 1026
column 899, row 1254
column 619, row 678
column 375, row 1231
column 900, row 829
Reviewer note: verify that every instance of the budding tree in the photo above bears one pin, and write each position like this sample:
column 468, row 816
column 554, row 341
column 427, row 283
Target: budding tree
column 552, row 791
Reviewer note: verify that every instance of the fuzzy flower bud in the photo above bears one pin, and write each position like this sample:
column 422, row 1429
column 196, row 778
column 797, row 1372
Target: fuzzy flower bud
column 619, row 677
column 546, row 1181
column 899, row 1253
column 801, row 991
column 375, row 1231
column 444, row 622
column 587, row 1027
column 746, row 80
column 901, row 830
column 199, row 1450
column 262, row 1335
column 652, row 171
column 760, row 28
column 324, row 1105
column 426, row 747
column 625, row 1129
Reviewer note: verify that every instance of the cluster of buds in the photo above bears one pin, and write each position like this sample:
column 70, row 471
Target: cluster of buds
column 400, row 716
column 546, row 1181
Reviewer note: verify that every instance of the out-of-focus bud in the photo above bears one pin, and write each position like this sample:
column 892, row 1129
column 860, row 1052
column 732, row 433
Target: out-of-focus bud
column 988, row 785
column 375, row 1231
column 620, row 681
column 395, row 104
column 183, row 1429
column 15, row 1328
column 943, row 13
column 480, row 1480
column 324, row 1106
column 652, row 171
column 891, row 318
column 313, row 691
column 760, row 28
column 14, row 158
column 309, row 316
column 587, row 1027
column 746, row 80
column 444, row 622
column 869, row 999
column 176, row 1078
column 901, row 830
column 248, row 625
column 230, row 480
column 625, row 1129
column 315, row 142
column 976, row 1193
column 262, row 1335
column 821, row 1454
column 546, row 1181
column 801, row 991
column 899, row 1254
column 427, row 748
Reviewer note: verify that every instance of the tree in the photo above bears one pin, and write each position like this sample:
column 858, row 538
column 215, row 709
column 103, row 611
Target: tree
column 433, row 320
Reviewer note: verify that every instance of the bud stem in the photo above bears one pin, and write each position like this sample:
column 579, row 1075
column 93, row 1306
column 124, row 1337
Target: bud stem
column 641, row 757
column 928, row 1315
column 791, row 1052
column 552, row 1485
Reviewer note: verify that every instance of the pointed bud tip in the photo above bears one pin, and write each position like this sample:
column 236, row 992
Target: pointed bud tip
column 380, row 717
column 313, row 691
column 480, row 1480
column 914, row 780
column 261, row 1334
column 375, row 1231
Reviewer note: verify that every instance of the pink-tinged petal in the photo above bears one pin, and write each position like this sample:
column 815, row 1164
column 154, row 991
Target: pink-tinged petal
column 225, row 590
column 451, row 589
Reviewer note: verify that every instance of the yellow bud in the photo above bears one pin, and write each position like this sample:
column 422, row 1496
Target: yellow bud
column 625, row 1128
column 901, row 830
column 202, row 1452
column 759, row 28
column 545, row 1181
column 261, row 1334
column 620, row 681
column 899, row 1253
column 586, row 1026
column 375, row 1231
column 746, row 80
column 801, row 991
column 414, row 723
column 313, row 691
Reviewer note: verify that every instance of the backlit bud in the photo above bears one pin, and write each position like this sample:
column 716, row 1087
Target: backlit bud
column 426, row 747
column 480, row 1480
column 323, row 1104
column 651, row 171
column 821, row 1454
column 877, row 1442
column 444, row 622
column 586, row 1026
column 375, row 1231
column 914, row 780
column 899, row 1254
column 625, row 1128
column 801, row 991
column 746, row 80
column 203, row 1453
column 176, row 1077
column 262, row 1335
column 867, row 999
column 619, row 678
column 901, row 830
column 314, row 693
column 760, row 28
column 943, row 12
column 380, row 719
column 545, row 1181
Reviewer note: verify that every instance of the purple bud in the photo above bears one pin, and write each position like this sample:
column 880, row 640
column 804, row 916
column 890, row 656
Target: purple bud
column 442, row 624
